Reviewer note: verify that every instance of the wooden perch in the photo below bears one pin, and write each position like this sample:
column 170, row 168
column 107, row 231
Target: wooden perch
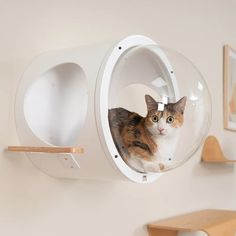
column 46, row 149
column 212, row 222
column 212, row 151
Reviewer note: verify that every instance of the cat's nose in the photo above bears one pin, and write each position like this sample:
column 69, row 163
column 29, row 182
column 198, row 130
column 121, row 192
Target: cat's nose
column 161, row 130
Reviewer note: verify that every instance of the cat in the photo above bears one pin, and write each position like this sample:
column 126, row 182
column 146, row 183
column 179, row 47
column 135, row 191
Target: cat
column 146, row 144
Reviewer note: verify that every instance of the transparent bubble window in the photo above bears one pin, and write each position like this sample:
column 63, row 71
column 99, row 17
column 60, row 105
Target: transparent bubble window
column 166, row 76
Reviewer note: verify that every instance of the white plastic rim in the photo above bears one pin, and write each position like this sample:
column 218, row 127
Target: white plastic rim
column 101, row 101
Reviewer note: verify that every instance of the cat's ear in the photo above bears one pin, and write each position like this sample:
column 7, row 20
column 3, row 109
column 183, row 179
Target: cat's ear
column 180, row 105
column 151, row 103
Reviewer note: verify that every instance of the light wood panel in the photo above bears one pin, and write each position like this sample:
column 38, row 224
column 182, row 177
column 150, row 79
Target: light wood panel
column 213, row 222
column 161, row 232
column 212, row 151
column 46, row 149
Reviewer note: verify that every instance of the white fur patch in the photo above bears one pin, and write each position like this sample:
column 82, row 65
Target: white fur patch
column 166, row 146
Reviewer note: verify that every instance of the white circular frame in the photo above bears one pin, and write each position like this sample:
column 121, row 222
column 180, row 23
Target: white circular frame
column 101, row 103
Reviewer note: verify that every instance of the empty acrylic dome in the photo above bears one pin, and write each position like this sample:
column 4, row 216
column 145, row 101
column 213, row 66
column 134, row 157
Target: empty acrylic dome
column 166, row 76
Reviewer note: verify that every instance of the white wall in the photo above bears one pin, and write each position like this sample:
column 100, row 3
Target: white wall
column 32, row 203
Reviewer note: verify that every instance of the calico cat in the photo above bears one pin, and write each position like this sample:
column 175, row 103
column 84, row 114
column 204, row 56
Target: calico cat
column 146, row 144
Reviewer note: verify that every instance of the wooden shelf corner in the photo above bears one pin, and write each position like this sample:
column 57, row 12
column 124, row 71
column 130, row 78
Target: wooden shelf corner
column 45, row 149
column 213, row 153
column 212, row 222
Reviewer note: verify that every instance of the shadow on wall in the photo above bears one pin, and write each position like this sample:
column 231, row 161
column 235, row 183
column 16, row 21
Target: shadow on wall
column 141, row 231
column 204, row 169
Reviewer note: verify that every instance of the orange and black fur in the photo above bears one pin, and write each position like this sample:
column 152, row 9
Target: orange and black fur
column 140, row 140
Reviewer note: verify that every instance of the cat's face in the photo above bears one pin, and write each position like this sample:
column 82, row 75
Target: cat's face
column 164, row 123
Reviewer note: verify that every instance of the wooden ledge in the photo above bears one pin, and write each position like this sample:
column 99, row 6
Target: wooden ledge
column 46, row 149
column 212, row 151
column 212, row 222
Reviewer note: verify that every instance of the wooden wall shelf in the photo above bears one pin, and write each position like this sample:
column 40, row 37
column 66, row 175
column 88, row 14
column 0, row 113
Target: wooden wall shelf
column 212, row 222
column 212, row 151
column 46, row 149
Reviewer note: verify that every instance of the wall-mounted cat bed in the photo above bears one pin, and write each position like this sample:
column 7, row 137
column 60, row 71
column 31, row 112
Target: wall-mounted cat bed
column 212, row 222
column 64, row 96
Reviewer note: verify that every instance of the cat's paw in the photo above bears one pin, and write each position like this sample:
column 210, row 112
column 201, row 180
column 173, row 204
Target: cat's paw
column 154, row 167
column 162, row 166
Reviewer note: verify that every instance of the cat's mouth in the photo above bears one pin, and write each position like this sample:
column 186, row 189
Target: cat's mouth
column 162, row 132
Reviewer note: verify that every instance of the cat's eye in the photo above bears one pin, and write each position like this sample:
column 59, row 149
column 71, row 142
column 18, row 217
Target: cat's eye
column 170, row 119
column 155, row 118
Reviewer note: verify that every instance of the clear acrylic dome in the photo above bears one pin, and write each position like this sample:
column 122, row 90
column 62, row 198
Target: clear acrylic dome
column 167, row 76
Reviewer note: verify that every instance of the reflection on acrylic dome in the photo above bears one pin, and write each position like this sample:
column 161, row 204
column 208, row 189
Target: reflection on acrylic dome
column 159, row 108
